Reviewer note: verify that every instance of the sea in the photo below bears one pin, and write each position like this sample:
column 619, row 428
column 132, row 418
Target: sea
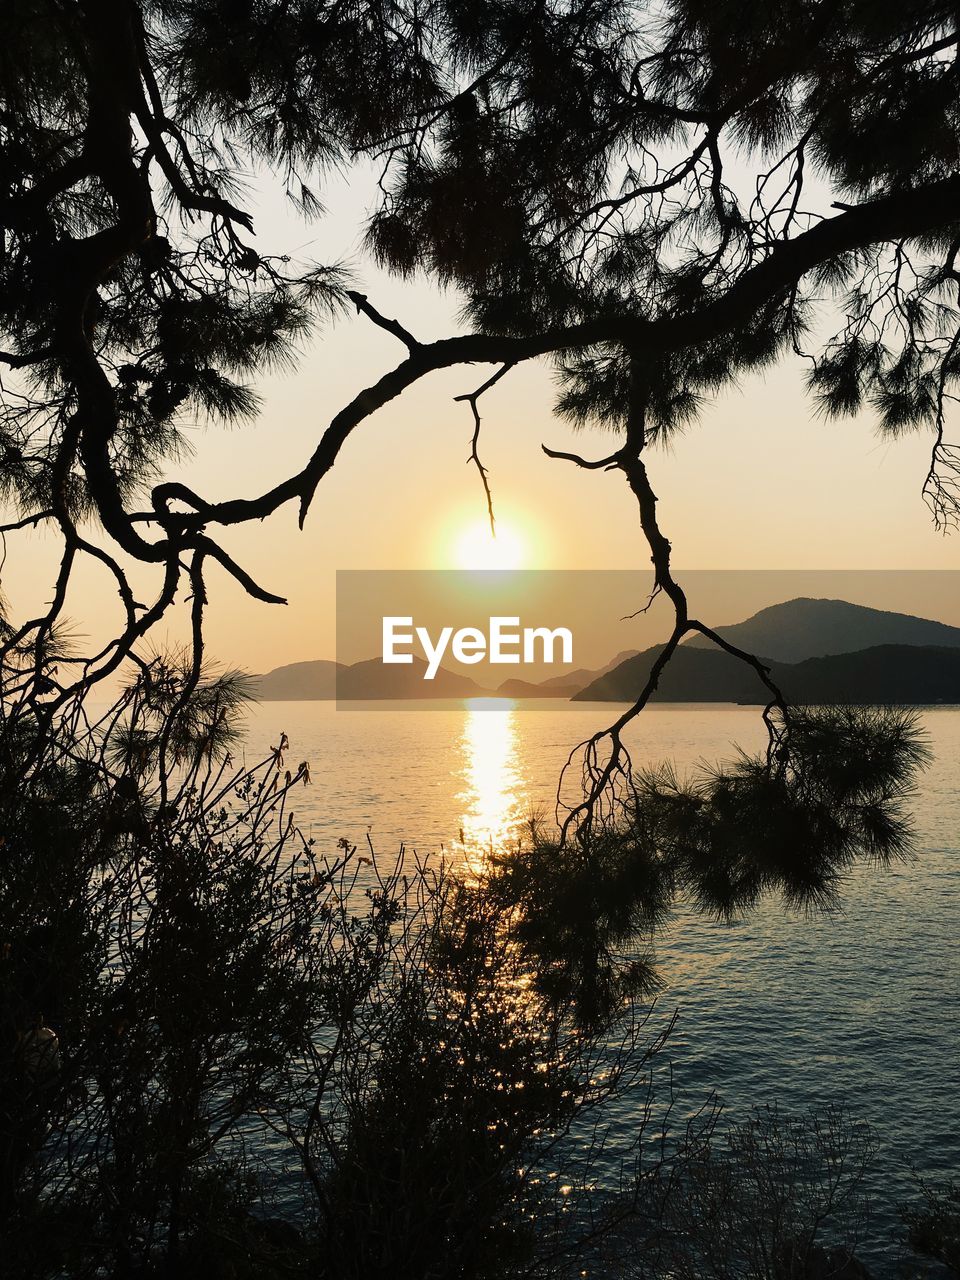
column 858, row 1007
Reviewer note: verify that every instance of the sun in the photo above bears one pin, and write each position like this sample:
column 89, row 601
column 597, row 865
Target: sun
column 477, row 548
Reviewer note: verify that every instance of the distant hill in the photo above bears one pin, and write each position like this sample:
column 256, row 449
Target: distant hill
column 564, row 686
column 692, row 675
column 548, row 689
column 902, row 674
column 372, row 679
column 805, row 628
column 324, row 680
column 299, row 682
column 893, row 673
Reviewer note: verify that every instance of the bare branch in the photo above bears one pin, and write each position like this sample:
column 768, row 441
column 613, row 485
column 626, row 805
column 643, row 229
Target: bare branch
column 364, row 306
column 471, row 399
column 600, row 464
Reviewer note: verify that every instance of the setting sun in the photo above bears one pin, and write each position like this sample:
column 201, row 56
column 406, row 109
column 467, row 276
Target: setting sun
column 477, row 548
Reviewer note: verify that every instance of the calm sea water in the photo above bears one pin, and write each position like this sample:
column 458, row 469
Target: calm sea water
column 860, row 1007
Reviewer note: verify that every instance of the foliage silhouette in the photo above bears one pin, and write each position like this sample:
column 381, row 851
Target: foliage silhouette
column 229, row 1006
column 933, row 1224
column 720, row 840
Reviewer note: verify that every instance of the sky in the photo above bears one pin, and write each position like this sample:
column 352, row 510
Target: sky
column 760, row 482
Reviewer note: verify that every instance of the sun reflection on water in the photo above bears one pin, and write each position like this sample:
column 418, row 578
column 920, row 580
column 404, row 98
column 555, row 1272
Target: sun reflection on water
column 493, row 794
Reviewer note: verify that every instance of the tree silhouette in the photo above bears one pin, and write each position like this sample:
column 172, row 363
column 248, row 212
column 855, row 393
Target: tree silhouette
column 657, row 197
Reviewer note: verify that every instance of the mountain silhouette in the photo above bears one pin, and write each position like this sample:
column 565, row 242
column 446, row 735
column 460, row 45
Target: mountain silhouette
column 563, row 686
column 901, row 674
column 807, row 628
column 819, row 651
column 299, row 681
column 322, row 680
column 374, row 679
column 691, row 675
column 547, row 689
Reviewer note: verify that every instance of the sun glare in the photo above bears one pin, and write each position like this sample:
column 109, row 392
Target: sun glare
column 477, row 548
column 493, row 793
